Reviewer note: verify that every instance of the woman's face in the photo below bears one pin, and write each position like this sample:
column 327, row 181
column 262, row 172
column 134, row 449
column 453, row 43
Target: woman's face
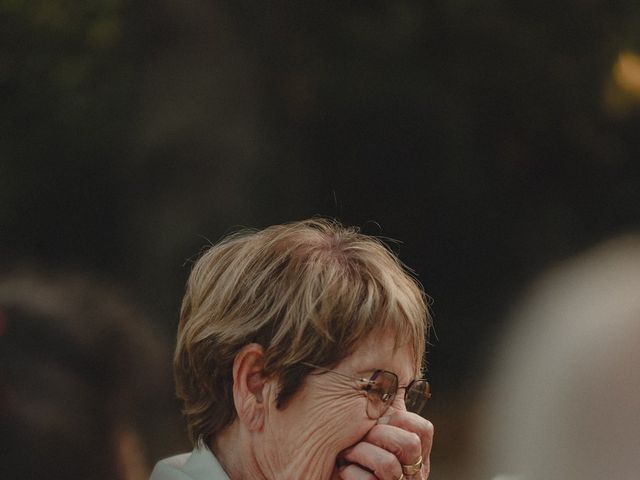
column 328, row 414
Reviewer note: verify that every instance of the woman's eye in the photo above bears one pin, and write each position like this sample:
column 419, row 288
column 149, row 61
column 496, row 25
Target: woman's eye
column 377, row 391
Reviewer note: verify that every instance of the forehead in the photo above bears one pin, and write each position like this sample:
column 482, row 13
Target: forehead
column 380, row 352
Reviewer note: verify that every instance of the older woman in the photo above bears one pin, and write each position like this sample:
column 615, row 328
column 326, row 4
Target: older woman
column 298, row 356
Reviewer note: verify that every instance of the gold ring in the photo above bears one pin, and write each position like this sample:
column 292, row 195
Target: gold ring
column 409, row 470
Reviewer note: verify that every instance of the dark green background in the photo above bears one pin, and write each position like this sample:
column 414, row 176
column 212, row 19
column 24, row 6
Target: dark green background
column 477, row 133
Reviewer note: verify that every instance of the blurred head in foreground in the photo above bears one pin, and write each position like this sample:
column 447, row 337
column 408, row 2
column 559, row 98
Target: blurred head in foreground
column 78, row 367
column 565, row 400
column 295, row 343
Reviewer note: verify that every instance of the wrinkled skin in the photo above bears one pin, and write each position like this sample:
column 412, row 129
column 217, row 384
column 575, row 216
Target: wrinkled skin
column 324, row 432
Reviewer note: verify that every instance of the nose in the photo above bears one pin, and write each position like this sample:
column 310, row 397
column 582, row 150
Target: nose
column 398, row 402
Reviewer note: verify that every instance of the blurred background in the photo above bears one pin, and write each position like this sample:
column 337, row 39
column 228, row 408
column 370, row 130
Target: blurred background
column 492, row 139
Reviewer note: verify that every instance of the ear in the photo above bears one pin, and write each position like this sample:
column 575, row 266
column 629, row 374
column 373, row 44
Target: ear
column 248, row 385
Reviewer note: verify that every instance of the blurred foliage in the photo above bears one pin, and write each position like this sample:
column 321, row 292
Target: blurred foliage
column 482, row 134
column 66, row 76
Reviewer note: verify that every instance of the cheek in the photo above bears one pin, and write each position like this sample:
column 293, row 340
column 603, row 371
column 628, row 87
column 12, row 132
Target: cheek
column 325, row 419
column 337, row 419
column 351, row 427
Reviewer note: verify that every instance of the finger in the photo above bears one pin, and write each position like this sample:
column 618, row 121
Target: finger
column 355, row 472
column 412, row 423
column 405, row 445
column 426, row 466
column 382, row 463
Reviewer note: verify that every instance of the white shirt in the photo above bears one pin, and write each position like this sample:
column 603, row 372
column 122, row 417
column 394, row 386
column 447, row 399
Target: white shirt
column 200, row 464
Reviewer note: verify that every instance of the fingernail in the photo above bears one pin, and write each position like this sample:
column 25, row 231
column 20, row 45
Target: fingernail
column 384, row 420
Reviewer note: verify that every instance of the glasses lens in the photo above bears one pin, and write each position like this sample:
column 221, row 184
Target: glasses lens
column 417, row 395
column 381, row 391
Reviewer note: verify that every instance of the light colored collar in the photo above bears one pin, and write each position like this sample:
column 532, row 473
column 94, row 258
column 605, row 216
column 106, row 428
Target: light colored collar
column 200, row 464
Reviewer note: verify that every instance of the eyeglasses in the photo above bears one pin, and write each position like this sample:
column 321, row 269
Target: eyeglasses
column 381, row 389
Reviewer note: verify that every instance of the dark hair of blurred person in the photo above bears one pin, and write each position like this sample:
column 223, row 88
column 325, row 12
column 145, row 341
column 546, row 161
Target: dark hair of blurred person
column 80, row 374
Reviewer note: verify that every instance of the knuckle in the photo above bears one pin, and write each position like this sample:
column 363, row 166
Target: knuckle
column 414, row 444
column 427, row 435
column 379, row 431
column 353, row 472
column 429, row 428
column 388, row 464
column 425, row 428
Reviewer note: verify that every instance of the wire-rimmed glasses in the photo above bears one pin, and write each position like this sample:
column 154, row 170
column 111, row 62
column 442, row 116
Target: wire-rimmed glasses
column 381, row 389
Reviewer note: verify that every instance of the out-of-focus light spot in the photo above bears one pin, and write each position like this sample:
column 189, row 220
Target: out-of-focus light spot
column 104, row 33
column 622, row 89
column 626, row 73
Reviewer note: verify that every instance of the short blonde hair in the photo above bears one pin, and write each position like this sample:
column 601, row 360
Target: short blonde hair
column 307, row 291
